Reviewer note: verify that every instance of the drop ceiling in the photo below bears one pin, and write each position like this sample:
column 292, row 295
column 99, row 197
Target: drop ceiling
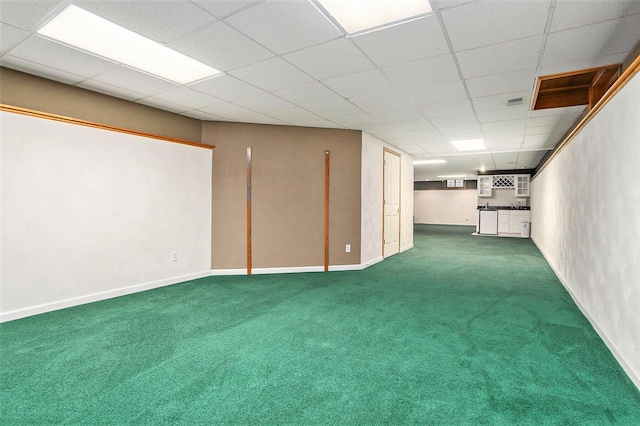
column 417, row 85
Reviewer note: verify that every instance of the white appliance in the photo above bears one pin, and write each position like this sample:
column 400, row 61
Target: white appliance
column 525, row 230
column 488, row 222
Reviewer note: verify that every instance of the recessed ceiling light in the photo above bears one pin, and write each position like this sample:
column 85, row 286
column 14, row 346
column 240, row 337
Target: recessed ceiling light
column 452, row 176
column 429, row 161
column 469, row 145
column 85, row 31
column 359, row 15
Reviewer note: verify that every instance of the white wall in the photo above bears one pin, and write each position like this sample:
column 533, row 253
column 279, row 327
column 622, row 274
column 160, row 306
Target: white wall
column 371, row 199
column 89, row 214
column 445, row 207
column 585, row 207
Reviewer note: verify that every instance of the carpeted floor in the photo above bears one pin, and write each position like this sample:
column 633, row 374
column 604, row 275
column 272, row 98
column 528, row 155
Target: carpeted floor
column 458, row 330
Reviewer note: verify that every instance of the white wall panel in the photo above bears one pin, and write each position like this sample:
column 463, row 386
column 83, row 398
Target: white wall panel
column 371, row 204
column 88, row 214
column 585, row 208
column 445, row 207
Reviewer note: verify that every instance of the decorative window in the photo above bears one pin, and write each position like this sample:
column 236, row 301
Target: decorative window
column 454, row 183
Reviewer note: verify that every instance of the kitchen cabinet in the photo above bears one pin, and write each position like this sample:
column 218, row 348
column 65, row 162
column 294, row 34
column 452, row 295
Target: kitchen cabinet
column 504, row 221
column 522, row 186
column 484, row 186
column 516, row 218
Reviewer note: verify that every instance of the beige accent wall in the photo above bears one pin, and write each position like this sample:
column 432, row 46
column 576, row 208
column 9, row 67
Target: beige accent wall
column 32, row 92
column 287, row 195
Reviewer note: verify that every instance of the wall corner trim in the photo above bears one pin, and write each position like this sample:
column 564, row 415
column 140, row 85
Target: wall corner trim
column 96, row 297
column 631, row 373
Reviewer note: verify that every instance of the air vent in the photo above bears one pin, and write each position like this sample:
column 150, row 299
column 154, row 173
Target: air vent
column 515, row 101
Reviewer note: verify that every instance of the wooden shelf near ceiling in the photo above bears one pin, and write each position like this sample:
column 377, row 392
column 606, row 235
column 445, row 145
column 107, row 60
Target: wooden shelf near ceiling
column 584, row 87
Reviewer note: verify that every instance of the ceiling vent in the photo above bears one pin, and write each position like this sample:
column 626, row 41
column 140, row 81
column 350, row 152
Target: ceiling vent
column 515, row 101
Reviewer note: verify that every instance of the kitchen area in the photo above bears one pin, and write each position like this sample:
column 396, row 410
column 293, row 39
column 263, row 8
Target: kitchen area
column 503, row 205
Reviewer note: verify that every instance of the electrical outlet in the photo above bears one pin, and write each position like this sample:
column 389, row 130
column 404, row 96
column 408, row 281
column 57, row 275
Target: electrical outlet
column 174, row 256
column 348, row 248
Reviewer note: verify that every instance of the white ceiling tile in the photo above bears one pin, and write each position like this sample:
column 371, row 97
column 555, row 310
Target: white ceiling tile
column 319, row 122
column 448, row 4
column 272, row 74
column 507, row 143
column 228, row 111
column 437, row 93
column 436, row 70
column 332, row 59
column 226, row 87
column 454, row 120
column 504, row 133
column 605, row 38
column 285, row 26
column 583, row 64
column 529, row 161
column 421, row 124
column 440, row 147
column 163, row 22
column 224, row 8
column 337, row 109
column 28, row 15
column 110, row 90
column 399, row 116
column 265, row 103
column 308, row 94
column 389, row 136
column 381, row 102
column 355, row 121
column 539, row 131
column 201, row 115
column 359, row 84
column 496, row 102
column 499, row 58
column 410, row 41
column 221, row 47
column 164, row 105
column 414, row 149
column 420, row 133
column 189, row 98
column 566, row 16
column 510, row 113
column 537, row 141
column 296, row 115
column 135, row 81
column 503, row 125
column 447, row 108
column 489, row 22
column 551, row 120
column 377, row 128
column 39, row 70
column 468, row 131
column 262, row 119
column 10, row 36
column 517, row 81
column 42, row 51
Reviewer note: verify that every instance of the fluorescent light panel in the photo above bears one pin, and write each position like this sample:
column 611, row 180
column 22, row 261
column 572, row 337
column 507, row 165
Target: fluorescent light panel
column 360, row 15
column 429, row 162
column 469, row 145
column 84, row 30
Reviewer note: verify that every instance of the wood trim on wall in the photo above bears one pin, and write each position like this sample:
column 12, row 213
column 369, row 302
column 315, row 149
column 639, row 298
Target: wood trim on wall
column 70, row 120
column 249, row 254
column 327, row 158
column 625, row 77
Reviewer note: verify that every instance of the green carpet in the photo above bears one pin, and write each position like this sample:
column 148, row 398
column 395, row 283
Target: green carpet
column 458, row 330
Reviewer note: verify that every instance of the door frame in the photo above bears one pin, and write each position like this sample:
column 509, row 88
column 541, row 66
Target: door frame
column 384, row 165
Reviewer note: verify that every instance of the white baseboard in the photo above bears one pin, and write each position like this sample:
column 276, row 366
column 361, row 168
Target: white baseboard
column 96, row 297
column 290, row 270
column 633, row 375
column 409, row 247
column 448, row 224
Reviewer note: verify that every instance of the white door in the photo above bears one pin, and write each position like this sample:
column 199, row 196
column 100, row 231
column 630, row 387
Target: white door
column 391, row 223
